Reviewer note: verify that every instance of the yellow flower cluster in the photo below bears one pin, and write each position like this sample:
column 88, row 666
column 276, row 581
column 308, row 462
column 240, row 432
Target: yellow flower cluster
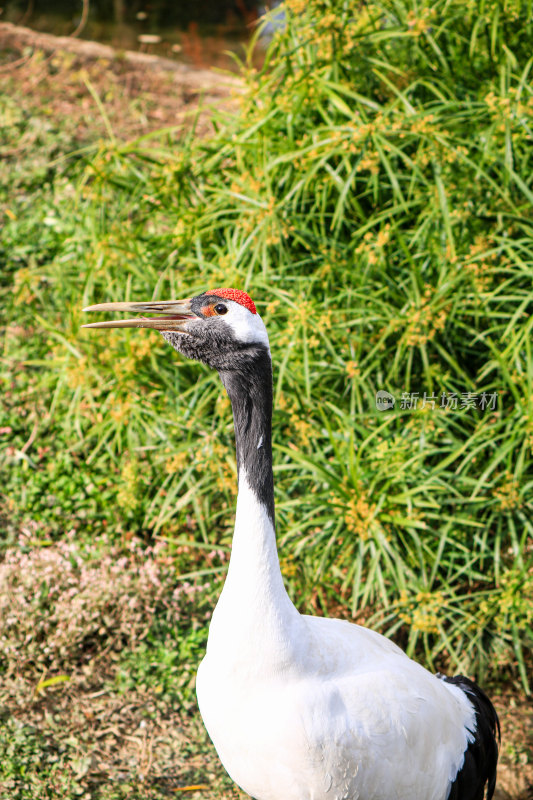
column 78, row 373
column 391, row 454
column 289, row 567
column 227, row 478
column 481, row 274
column 301, row 313
column 296, row 7
column 509, row 109
column 359, row 516
column 498, row 104
column 261, row 215
column 176, row 462
column 508, row 494
column 513, row 602
column 120, row 411
column 319, row 26
column 272, row 306
column 478, row 262
column 300, row 430
column 25, row 285
column 372, row 244
column 419, row 24
column 245, row 182
column 481, row 246
column 422, row 124
column 423, row 612
column 352, row 369
column 369, row 163
column 128, row 495
column 222, row 404
column 425, row 320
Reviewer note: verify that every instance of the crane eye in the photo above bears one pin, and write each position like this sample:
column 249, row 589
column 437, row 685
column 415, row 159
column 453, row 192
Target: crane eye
column 220, row 309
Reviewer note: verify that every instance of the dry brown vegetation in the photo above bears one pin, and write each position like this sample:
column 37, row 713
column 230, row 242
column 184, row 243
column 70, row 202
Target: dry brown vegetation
column 138, row 94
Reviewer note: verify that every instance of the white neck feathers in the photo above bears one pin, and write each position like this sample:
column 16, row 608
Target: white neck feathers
column 254, row 610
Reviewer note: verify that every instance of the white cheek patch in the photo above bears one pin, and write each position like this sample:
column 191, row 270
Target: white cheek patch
column 247, row 327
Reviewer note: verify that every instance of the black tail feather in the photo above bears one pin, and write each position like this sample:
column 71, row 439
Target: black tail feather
column 481, row 757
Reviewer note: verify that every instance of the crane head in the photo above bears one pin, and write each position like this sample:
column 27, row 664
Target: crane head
column 220, row 327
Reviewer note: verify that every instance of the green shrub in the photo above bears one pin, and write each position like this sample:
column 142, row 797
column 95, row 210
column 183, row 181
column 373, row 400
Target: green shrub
column 374, row 194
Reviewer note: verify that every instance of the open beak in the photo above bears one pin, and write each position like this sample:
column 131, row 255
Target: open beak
column 175, row 314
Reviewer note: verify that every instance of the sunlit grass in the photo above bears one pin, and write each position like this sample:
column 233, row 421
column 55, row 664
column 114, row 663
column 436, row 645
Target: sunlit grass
column 374, row 196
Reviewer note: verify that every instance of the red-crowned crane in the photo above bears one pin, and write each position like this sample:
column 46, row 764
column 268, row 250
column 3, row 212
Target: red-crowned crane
column 300, row 707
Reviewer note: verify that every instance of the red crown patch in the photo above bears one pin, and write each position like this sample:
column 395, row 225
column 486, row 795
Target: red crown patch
column 237, row 295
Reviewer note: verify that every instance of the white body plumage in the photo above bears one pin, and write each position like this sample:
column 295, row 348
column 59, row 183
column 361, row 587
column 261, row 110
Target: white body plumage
column 307, row 708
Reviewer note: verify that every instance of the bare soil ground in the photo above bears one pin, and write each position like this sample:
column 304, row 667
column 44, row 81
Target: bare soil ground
column 140, row 92
column 104, row 739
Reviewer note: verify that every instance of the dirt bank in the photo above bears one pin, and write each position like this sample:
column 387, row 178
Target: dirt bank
column 140, row 92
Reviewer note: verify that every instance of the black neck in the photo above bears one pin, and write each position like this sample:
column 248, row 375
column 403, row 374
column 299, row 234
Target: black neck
column 250, row 392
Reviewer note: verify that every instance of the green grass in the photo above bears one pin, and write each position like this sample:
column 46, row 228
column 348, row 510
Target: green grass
column 374, row 195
